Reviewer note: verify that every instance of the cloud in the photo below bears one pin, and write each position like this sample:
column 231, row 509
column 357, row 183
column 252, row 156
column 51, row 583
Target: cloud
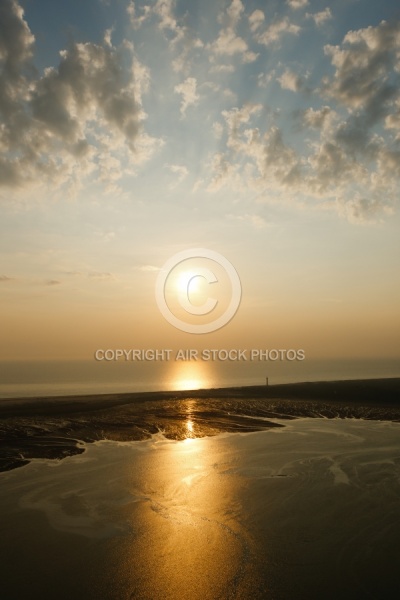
column 296, row 4
column 362, row 65
column 392, row 121
column 235, row 119
column 47, row 124
column 180, row 172
column 361, row 210
column 223, row 172
column 101, row 276
column 222, row 69
column 276, row 30
column 291, row 81
column 321, row 17
column 182, row 41
column 137, row 21
column 218, row 130
column 263, row 79
column 16, row 39
column 188, row 91
column 255, row 220
column 234, row 13
column 52, row 282
column 318, row 118
column 340, row 167
column 256, row 19
column 89, row 80
column 148, row 268
column 228, row 43
column 4, row 279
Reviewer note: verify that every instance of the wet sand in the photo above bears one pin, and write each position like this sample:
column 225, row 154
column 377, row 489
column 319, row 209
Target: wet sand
column 59, row 427
column 308, row 510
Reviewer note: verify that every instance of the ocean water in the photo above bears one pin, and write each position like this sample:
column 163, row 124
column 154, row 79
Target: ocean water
column 57, row 378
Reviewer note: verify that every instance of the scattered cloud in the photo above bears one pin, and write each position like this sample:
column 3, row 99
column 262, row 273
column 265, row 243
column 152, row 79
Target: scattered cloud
column 321, row 17
column 254, row 220
column 46, row 123
column 101, row 276
column 223, row 172
column 52, row 282
column 188, row 91
column 228, row 42
column 296, row 4
column 263, row 79
column 362, row 66
column 180, row 172
column 256, row 19
column 135, row 20
column 276, row 30
column 218, row 130
column 318, row 118
column 87, row 118
column 4, row 278
column 222, row 68
column 361, row 210
column 291, row 81
column 148, row 268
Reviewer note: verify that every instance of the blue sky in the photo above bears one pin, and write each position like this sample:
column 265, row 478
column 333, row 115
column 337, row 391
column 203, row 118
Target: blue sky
column 267, row 131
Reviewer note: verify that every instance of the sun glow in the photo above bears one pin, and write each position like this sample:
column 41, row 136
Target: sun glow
column 188, row 282
column 190, row 375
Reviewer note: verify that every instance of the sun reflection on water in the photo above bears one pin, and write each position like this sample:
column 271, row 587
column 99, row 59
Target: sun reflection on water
column 190, row 376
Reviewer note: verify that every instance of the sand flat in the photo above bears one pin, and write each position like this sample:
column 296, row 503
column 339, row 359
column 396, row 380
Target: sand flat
column 308, row 510
column 55, row 427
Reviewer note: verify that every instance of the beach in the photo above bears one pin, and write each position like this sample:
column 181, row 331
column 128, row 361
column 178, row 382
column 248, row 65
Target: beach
column 277, row 492
column 55, row 427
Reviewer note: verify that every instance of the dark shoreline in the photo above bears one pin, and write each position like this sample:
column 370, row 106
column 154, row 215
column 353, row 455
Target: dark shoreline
column 51, row 427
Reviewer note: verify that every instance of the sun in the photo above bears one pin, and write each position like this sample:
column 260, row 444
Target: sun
column 188, row 282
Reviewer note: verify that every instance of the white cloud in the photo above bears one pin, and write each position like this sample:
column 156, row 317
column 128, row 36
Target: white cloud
column 263, row 79
column 222, row 69
column 99, row 276
column 235, row 119
column 228, row 43
column 48, row 124
column 137, row 21
column 256, row 19
column 234, row 12
column 148, row 268
column 318, row 118
column 276, row 30
column 223, row 172
column 291, row 81
column 363, row 64
column 180, row 172
column 321, row 17
column 218, row 130
column 296, row 4
column 165, row 10
column 392, row 121
column 188, row 91
column 183, row 41
column 254, row 220
column 361, row 210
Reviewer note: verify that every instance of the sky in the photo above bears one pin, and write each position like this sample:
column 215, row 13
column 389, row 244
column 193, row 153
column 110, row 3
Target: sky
column 268, row 132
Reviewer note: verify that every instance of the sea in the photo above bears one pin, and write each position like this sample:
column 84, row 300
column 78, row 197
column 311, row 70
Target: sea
column 41, row 378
